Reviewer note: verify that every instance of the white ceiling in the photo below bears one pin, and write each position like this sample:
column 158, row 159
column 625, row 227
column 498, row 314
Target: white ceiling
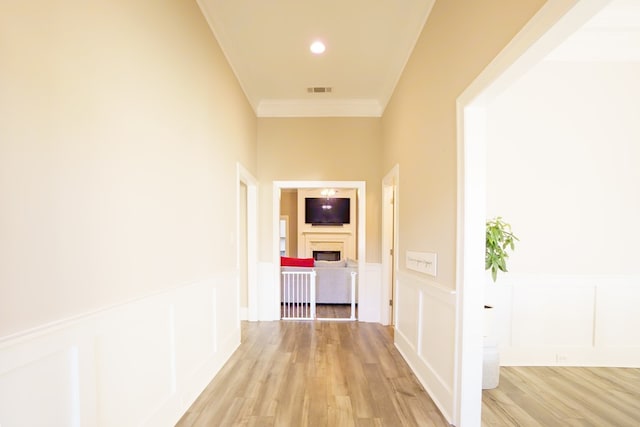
column 267, row 44
column 613, row 34
column 368, row 44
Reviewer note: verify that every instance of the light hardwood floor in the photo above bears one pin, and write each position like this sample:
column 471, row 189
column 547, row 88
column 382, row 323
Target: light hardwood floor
column 329, row 311
column 335, row 311
column 305, row 373
column 554, row 396
column 349, row 374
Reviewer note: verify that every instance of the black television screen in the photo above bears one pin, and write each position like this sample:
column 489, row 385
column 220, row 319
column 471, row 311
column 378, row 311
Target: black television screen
column 322, row 211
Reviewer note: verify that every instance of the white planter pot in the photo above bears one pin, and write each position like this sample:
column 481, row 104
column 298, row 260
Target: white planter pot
column 490, row 364
column 490, row 355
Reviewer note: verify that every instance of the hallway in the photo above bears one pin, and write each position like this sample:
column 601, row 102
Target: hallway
column 314, row 373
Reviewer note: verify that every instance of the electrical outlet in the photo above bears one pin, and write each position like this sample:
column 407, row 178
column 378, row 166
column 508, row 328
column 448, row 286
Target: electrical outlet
column 561, row 358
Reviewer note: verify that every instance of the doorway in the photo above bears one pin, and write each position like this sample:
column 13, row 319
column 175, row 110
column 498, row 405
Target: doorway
column 280, row 189
column 247, row 243
column 550, row 26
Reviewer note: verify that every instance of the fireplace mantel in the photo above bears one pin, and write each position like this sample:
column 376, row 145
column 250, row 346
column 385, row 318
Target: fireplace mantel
column 342, row 242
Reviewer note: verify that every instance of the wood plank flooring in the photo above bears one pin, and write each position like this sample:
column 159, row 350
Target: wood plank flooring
column 329, row 311
column 559, row 396
column 303, row 373
column 335, row 311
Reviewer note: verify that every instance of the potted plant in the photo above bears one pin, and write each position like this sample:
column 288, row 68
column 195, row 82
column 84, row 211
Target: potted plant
column 499, row 241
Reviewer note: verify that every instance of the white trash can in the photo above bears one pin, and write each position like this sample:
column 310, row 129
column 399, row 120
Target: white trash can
column 490, row 364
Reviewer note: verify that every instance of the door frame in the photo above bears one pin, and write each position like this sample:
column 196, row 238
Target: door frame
column 554, row 22
column 360, row 187
column 243, row 176
column 390, row 183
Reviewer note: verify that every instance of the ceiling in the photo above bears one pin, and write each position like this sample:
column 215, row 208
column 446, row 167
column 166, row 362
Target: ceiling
column 367, row 46
column 613, row 34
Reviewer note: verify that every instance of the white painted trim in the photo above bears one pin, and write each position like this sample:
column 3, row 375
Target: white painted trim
column 430, row 287
column 390, row 181
column 319, row 108
column 275, row 294
column 245, row 177
column 582, row 356
column 547, row 29
column 360, row 187
column 470, row 241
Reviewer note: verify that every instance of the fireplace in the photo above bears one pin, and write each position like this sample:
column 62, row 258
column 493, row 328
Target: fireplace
column 326, row 255
column 326, row 246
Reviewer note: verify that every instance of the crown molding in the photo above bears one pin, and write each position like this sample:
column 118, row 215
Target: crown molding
column 319, row 108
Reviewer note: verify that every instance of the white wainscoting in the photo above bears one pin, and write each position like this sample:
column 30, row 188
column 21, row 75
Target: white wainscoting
column 140, row 363
column 567, row 320
column 268, row 292
column 425, row 334
column 370, row 293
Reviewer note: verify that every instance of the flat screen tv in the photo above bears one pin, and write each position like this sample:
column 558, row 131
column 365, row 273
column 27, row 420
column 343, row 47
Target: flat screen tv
column 323, row 211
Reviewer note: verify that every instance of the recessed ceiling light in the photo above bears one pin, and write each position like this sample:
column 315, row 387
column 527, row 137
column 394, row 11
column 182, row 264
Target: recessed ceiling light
column 317, row 47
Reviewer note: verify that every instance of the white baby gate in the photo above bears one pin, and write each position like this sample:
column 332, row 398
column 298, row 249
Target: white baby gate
column 299, row 295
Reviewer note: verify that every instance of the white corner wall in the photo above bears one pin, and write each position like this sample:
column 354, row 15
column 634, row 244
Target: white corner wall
column 563, row 169
column 138, row 363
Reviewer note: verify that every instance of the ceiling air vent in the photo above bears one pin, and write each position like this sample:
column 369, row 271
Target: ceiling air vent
column 319, row 89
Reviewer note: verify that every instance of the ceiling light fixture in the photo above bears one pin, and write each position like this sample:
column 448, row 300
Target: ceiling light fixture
column 317, row 47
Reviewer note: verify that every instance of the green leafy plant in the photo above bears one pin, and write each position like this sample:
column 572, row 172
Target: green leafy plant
column 500, row 239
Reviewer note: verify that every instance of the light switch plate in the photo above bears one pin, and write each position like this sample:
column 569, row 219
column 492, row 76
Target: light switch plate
column 424, row 262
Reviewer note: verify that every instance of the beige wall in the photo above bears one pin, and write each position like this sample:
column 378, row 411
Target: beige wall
column 567, row 177
column 120, row 127
column 320, row 149
column 459, row 39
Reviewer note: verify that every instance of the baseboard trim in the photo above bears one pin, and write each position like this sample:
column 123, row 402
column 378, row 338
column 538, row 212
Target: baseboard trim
column 430, row 380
